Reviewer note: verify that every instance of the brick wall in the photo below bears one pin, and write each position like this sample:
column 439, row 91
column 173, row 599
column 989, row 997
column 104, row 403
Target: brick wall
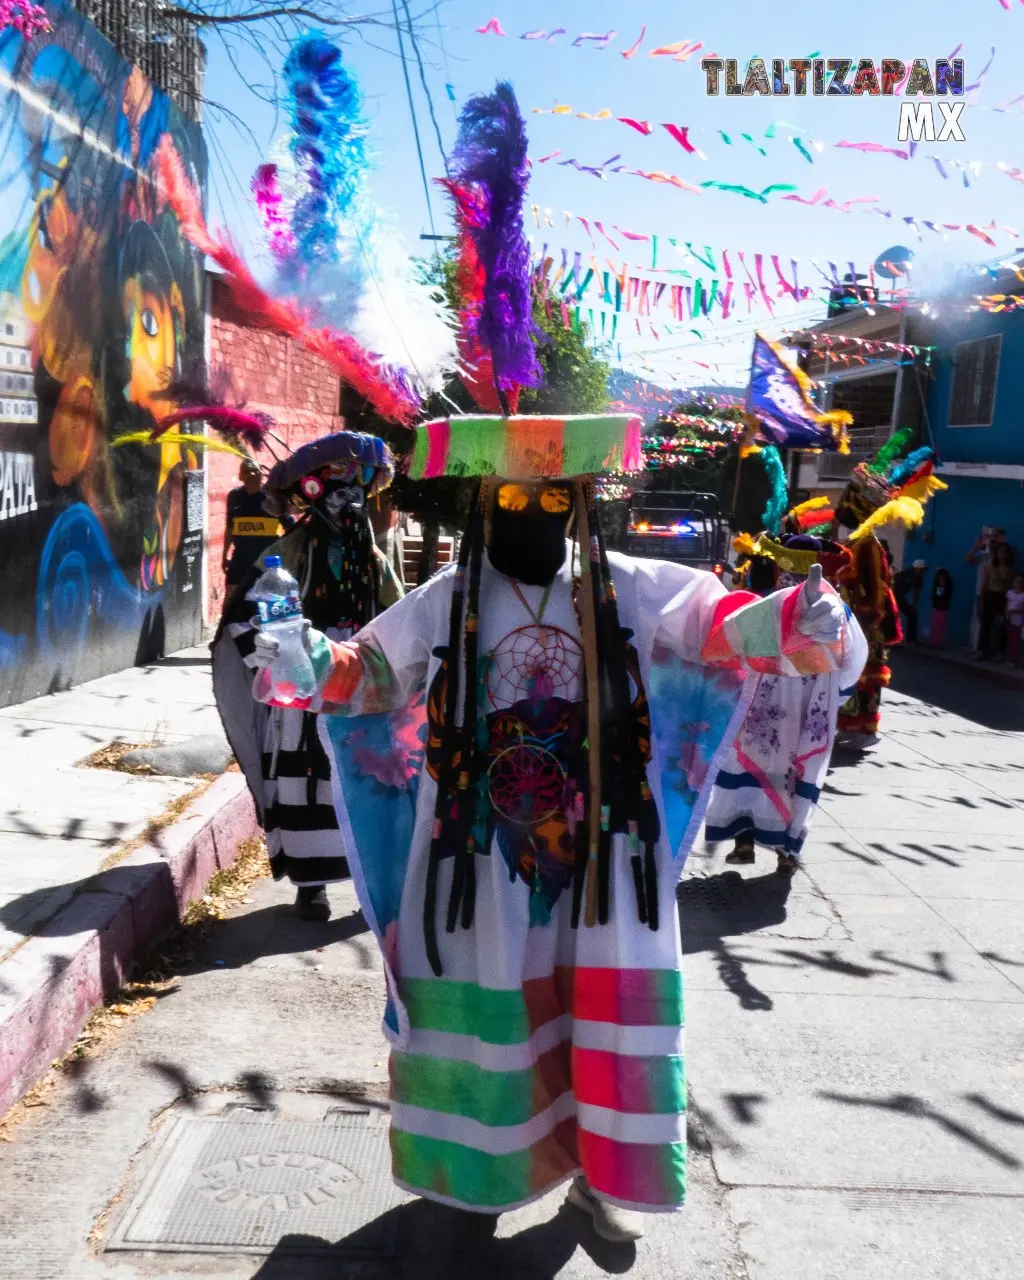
column 270, row 373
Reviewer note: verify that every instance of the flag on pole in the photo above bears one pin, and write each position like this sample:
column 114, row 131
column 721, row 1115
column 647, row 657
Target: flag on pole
column 780, row 409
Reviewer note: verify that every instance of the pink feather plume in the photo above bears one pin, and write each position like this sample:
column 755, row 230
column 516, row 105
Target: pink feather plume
column 240, row 424
column 269, row 201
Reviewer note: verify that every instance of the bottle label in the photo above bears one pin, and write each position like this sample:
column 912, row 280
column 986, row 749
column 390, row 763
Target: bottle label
column 280, row 608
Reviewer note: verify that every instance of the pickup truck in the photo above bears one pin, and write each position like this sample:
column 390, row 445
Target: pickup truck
column 685, row 527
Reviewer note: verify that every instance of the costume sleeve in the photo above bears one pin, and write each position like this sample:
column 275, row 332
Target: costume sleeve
column 871, row 565
column 390, row 590
column 700, row 621
column 386, row 664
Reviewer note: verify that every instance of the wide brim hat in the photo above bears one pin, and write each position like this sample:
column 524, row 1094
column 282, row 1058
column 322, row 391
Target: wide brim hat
column 527, row 447
column 796, row 554
column 351, row 456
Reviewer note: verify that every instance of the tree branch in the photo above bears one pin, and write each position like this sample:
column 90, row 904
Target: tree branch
column 201, row 19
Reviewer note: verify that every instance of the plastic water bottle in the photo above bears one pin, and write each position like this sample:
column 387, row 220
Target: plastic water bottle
column 291, row 679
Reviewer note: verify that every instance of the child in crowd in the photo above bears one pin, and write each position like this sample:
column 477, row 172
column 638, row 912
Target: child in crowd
column 942, row 598
column 1014, row 619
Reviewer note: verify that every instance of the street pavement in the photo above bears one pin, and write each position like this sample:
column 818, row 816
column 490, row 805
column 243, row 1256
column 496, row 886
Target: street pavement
column 855, row 1052
column 60, row 823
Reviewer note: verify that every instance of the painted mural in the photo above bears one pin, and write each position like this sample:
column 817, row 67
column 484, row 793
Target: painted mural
column 101, row 316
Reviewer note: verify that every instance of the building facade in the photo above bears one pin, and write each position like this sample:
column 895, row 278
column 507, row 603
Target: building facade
column 101, row 312
column 976, row 413
column 270, row 373
column 962, row 394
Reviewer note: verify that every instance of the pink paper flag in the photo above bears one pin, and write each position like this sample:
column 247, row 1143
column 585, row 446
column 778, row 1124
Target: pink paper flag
column 818, row 195
column 876, row 147
column 606, row 235
column 681, row 135
column 977, row 231
column 493, row 28
column 672, row 50
column 631, row 51
column 641, row 126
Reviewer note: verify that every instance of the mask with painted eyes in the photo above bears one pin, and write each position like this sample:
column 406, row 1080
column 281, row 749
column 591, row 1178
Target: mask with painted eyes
column 529, row 523
column 344, row 497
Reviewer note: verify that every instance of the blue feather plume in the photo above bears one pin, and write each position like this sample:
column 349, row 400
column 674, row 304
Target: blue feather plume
column 330, row 149
column 904, row 469
column 779, row 500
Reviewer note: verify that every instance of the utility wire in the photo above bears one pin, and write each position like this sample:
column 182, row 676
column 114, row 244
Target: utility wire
column 426, row 90
column 444, row 62
column 412, row 113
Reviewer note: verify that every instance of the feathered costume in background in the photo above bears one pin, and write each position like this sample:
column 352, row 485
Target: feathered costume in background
column 382, row 387
column 487, row 189
column 887, row 490
column 333, row 250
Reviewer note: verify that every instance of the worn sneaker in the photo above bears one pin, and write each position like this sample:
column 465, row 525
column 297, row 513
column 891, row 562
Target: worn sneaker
column 621, row 1226
column 311, row 902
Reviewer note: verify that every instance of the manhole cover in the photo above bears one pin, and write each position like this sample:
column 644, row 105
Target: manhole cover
column 252, row 1182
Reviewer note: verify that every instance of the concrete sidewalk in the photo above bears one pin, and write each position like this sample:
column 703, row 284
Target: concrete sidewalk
column 854, row 1048
column 964, row 662
column 96, row 862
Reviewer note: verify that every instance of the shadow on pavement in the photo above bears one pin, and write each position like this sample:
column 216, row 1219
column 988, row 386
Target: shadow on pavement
column 271, row 931
column 908, row 1105
column 427, row 1241
column 714, row 908
column 728, row 904
column 961, row 692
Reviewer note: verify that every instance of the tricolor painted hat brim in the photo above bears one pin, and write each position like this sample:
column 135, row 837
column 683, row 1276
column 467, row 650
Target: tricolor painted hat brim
column 527, row 447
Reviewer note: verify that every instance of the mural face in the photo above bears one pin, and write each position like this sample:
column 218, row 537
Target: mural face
column 101, row 314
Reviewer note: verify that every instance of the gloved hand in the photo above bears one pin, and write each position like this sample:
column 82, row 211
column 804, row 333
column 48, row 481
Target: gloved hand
column 268, row 646
column 821, row 617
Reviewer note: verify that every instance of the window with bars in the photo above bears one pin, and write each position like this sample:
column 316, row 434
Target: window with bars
column 973, row 397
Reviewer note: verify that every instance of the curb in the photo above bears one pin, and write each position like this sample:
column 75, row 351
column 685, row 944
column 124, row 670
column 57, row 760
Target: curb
column 938, row 657
column 59, row 976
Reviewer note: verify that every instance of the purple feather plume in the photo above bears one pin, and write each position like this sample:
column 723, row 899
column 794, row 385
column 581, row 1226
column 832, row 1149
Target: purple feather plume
column 490, row 155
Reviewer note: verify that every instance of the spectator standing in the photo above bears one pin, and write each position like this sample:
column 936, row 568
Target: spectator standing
column 907, row 586
column 981, row 554
column 249, row 529
column 942, row 598
column 996, row 581
column 1015, row 619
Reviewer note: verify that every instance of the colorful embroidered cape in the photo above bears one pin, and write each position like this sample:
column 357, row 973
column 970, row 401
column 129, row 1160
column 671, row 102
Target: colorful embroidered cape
column 542, row 1050
column 771, row 781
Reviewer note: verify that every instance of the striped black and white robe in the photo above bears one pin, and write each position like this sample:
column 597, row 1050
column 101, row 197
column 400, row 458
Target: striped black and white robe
column 278, row 748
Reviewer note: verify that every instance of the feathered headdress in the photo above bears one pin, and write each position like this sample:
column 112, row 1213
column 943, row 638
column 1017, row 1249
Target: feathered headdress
column 488, row 186
column 383, row 387
column 890, row 489
column 334, row 250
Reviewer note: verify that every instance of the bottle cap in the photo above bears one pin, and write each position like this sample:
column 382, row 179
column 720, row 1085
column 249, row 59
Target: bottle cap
column 271, row 562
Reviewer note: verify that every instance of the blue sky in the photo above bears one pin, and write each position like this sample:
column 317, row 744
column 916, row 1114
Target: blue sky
column 661, row 90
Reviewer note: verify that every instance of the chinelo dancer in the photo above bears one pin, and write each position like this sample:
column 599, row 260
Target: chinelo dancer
column 890, row 489
column 522, row 751
column 344, row 581
column 768, row 788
